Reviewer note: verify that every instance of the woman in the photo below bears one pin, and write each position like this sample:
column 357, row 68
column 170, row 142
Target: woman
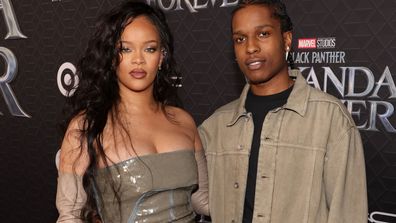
column 128, row 155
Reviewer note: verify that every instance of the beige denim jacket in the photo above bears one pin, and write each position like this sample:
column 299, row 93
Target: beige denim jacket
column 310, row 168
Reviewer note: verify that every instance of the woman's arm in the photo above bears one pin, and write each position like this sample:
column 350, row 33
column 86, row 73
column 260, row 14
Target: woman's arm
column 70, row 195
column 200, row 199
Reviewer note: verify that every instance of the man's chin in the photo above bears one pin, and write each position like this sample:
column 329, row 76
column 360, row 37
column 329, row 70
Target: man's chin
column 257, row 81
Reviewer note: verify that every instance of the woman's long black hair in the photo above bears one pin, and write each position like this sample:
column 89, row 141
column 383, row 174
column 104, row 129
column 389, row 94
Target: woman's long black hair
column 97, row 95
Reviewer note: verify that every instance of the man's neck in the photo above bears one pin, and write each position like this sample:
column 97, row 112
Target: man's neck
column 277, row 84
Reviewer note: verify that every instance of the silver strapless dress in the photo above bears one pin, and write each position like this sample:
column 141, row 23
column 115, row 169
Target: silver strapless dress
column 152, row 188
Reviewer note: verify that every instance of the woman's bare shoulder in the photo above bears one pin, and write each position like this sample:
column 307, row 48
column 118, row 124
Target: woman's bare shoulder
column 73, row 156
column 181, row 116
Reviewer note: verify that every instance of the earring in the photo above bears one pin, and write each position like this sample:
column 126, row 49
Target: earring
column 157, row 76
column 287, row 52
column 159, row 67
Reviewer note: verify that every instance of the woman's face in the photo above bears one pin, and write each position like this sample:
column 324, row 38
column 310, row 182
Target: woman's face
column 140, row 56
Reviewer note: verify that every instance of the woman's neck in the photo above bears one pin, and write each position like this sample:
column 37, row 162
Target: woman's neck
column 138, row 102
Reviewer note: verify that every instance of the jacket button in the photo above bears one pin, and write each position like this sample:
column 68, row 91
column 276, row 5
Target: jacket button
column 233, row 221
column 240, row 147
column 236, row 185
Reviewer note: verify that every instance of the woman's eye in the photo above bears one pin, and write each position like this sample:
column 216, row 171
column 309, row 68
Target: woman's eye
column 151, row 49
column 125, row 50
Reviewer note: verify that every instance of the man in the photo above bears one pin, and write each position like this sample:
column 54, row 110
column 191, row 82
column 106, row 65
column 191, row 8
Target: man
column 284, row 151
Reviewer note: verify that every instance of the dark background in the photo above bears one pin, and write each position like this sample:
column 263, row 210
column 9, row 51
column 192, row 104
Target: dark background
column 57, row 32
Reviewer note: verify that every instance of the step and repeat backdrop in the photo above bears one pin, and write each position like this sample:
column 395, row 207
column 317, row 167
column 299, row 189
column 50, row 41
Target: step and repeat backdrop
column 344, row 47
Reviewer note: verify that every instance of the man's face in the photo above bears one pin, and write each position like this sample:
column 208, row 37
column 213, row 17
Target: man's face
column 259, row 44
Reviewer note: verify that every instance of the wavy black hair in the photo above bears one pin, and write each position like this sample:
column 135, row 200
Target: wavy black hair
column 279, row 12
column 97, row 98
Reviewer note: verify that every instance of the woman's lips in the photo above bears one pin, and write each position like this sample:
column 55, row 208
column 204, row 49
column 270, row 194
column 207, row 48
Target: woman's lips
column 138, row 73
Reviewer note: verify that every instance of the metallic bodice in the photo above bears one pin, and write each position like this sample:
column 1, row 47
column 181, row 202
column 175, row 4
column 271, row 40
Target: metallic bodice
column 152, row 188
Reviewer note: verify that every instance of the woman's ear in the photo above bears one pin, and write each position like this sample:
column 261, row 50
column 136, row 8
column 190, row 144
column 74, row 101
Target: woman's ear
column 162, row 58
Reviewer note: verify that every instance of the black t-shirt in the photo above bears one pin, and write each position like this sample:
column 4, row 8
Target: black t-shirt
column 259, row 106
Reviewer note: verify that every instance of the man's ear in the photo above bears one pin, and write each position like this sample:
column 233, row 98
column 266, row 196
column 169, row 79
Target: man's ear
column 287, row 39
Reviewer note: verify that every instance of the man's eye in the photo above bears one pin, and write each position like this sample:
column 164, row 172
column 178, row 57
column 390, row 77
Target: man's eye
column 239, row 39
column 263, row 34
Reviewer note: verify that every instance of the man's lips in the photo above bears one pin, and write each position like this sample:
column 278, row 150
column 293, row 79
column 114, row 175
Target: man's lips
column 138, row 73
column 254, row 64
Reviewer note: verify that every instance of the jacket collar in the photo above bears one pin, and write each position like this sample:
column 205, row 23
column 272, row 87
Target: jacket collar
column 297, row 101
